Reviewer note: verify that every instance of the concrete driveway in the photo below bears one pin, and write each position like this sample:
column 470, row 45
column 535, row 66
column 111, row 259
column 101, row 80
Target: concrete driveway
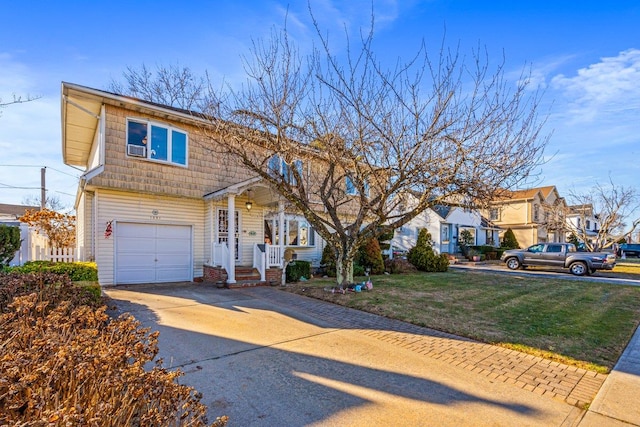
column 265, row 357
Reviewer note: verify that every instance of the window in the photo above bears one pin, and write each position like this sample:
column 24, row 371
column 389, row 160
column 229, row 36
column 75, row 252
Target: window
column 351, row 189
column 554, row 248
column 156, row 141
column 494, row 214
column 588, row 224
column 223, row 229
column 297, row 232
column 536, row 248
column 489, row 237
column 277, row 166
column 444, row 230
column 350, row 186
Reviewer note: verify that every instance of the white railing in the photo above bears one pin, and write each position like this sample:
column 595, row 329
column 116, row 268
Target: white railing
column 220, row 255
column 259, row 261
column 274, row 255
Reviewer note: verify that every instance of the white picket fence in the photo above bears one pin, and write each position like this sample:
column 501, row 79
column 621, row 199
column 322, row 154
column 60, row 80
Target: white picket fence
column 54, row 254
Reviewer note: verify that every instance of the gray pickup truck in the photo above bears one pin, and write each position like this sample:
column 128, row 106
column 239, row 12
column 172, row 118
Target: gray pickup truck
column 559, row 255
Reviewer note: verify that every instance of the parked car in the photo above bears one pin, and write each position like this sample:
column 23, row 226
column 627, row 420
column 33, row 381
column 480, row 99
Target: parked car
column 563, row 255
column 629, row 249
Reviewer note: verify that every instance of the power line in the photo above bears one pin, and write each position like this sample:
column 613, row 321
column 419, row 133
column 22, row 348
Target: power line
column 46, row 167
column 18, row 188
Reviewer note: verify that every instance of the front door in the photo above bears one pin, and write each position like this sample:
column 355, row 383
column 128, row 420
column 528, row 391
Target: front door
column 222, row 230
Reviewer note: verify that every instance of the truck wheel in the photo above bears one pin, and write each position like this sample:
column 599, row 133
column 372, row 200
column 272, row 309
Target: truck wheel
column 513, row 263
column 578, row 268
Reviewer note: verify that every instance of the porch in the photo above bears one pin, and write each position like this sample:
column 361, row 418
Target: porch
column 251, row 235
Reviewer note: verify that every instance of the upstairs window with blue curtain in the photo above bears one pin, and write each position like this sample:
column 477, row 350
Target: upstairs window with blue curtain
column 278, row 167
column 350, row 187
column 157, row 141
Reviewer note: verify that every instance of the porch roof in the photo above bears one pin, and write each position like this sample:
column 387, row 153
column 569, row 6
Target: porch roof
column 237, row 188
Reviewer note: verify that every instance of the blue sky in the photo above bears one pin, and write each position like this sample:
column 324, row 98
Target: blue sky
column 585, row 54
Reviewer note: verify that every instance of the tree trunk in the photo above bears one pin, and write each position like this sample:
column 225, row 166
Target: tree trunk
column 344, row 270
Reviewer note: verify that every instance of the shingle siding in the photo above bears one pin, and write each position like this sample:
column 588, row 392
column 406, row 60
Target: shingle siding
column 205, row 172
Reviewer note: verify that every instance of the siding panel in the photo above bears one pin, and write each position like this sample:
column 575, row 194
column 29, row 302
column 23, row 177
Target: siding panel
column 129, row 207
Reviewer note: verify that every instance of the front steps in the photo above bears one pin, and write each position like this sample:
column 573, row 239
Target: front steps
column 245, row 277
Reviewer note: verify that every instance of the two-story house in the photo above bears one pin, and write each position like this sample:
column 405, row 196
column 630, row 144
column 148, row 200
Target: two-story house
column 581, row 218
column 534, row 215
column 157, row 204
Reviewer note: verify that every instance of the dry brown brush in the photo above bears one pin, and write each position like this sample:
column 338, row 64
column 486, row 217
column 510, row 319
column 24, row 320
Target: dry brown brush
column 63, row 363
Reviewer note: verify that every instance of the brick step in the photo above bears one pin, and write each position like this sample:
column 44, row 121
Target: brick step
column 246, row 284
column 244, row 274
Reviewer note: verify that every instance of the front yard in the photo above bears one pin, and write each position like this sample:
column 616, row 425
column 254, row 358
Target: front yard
column 574, row 322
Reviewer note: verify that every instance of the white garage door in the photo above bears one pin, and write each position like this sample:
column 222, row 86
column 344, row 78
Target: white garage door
column 151, row 253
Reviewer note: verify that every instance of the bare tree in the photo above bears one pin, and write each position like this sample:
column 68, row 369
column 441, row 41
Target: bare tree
column 17, row 100
column 555, row 219
column 171, row 85
column 365, row 135
column 610, row 206
column 51, row 202
column 342, row 140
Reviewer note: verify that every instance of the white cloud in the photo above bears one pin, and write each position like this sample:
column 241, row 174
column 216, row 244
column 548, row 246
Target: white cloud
column 607, row 88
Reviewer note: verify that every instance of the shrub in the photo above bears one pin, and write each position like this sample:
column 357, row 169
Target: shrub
column 64, row 362
column 358, row 270
column 77, row 271
column 298, row 269
column 424, row 258
column 509, row 240
column 574, row 239
column 489, row 252
column 9, row 243
column 328, row 261
column 370, row 256
column 51, row 287
column 398, row 266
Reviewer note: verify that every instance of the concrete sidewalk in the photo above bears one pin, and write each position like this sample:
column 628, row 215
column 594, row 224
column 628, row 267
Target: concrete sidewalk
column 616, row 404
column 267, row 357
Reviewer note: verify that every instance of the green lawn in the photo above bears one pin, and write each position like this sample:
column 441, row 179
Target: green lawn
column 579, row 323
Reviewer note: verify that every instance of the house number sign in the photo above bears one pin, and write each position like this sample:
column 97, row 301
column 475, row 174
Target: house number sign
column 155, row 214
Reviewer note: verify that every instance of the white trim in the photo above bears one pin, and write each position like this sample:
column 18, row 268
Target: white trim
column 148, row 150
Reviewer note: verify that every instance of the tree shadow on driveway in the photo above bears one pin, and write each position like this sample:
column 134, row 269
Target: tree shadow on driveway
column 266, row 357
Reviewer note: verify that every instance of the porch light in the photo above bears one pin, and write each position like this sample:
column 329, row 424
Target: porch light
column 249, row 204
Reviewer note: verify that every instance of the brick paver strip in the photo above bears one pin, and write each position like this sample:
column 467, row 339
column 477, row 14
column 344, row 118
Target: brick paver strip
column 571, row 384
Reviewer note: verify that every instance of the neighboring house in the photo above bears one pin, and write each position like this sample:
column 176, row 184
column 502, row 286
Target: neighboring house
column 582, row 218
column 534, row 215
column 9, row 215
column 445, row 223
column 157, row 204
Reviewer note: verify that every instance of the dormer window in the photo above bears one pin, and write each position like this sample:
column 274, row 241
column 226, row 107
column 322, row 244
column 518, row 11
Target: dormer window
column 156, row 141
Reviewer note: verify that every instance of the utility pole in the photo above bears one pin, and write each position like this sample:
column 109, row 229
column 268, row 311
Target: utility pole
column 43, row 188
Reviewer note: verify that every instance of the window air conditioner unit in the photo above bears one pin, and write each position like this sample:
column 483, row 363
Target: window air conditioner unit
column 136, row 150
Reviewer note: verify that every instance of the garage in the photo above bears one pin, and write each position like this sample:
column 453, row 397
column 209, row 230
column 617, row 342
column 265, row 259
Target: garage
column 152, row 253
